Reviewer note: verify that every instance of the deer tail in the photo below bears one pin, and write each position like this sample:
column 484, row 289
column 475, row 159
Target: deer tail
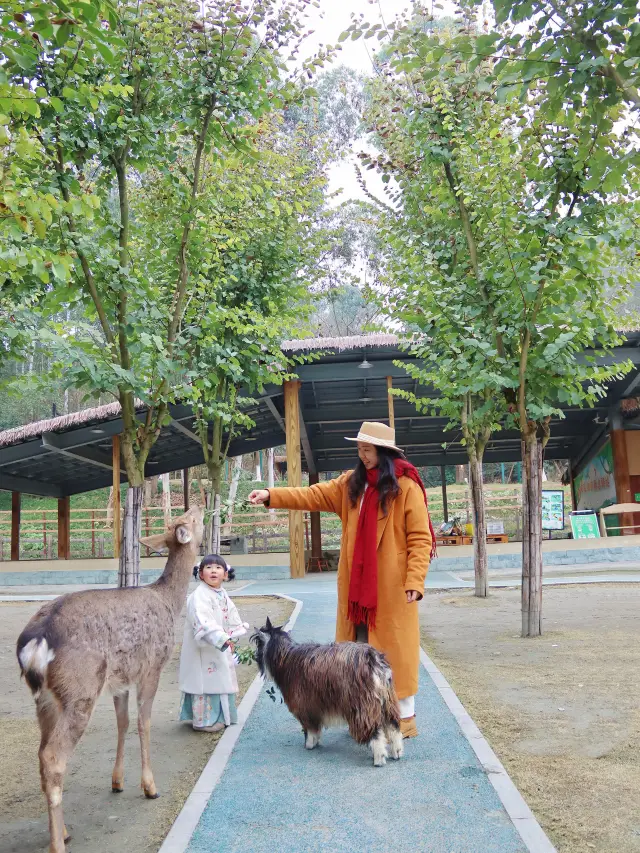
column 34, row 658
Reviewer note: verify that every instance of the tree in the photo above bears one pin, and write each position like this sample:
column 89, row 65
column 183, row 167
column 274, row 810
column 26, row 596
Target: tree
column 250, row 283
column 171, row 90
column 538, row 234
column 350, row 272
column 434, row 281
column 581, row 49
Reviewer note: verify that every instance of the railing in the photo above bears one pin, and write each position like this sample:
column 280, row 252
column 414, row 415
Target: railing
column 91, row 530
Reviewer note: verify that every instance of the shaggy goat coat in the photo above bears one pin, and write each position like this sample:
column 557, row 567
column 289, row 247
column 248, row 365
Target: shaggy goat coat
column 325, row 684
column 404, row 549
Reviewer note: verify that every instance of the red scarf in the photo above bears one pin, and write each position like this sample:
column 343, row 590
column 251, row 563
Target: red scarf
column 363, row 585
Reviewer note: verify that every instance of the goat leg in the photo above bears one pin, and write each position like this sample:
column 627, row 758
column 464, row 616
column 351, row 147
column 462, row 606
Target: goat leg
column 121, row 703
column 146, row 694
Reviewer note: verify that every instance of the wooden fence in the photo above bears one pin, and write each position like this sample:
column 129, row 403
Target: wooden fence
column 91, row 530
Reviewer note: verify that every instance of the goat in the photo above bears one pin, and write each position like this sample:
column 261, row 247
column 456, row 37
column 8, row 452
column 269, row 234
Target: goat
column 324, row 685
column 78, row 644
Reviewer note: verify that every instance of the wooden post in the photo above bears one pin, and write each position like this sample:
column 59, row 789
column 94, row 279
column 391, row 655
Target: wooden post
column 621, row 477
column 185, row 486
column 294, row 474
column 443, row 480
column 115, row 465
column 64, row 528
column 316, row 529
column 16, row 501
column 572, row 484
column 392, row 422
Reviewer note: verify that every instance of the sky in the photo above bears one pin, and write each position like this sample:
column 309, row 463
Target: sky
column 327, row 22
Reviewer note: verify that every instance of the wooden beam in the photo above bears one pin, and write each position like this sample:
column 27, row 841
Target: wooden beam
column 16, row 502
column 27, row 486
column 306, row 446
column 294, row 474
column 186, row 483
column 392, row 420
column 64, row 528
column 188, row 432
column 85, row 454
column 117, row 529
column 276, row 414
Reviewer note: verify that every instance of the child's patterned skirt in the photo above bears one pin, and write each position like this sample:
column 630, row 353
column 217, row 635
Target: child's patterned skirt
column 207, row 709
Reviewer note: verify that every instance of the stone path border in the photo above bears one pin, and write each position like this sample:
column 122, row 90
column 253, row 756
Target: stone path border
column 529, row 830
column 184, row 826
column 521, row 815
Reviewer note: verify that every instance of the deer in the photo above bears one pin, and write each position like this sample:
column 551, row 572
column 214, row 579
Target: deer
column 81, row 643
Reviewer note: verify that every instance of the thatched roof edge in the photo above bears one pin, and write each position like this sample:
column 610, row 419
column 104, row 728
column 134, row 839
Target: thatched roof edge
column 97, row 414
column 352, row 342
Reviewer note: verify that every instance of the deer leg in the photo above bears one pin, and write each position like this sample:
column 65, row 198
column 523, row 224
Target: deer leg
column 57, row 745
column 146, row 694
column 121, row 703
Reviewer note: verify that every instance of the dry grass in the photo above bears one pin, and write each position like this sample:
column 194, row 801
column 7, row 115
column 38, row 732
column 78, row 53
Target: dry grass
column 562, row 711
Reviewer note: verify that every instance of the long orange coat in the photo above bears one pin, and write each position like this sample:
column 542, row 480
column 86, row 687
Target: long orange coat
column 404, row 549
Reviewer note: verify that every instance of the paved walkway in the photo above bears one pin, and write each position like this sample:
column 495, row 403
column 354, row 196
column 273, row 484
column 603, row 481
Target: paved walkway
column 275, row 796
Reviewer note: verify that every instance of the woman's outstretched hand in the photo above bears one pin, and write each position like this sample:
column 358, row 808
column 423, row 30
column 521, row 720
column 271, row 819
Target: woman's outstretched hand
column 259, row 497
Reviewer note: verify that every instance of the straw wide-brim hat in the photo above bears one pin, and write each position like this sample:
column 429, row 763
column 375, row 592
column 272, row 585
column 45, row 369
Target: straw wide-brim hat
column 379, row 434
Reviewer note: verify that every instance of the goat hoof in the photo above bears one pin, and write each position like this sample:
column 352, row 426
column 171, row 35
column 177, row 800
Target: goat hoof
column 152, row 796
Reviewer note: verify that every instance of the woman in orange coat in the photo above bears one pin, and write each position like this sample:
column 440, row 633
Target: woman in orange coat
column 386, row 548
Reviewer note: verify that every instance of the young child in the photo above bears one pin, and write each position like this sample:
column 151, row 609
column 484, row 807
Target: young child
column 207, row 671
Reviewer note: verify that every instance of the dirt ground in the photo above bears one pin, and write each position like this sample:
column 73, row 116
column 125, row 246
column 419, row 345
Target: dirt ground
column 99, row 821
column 562, row 711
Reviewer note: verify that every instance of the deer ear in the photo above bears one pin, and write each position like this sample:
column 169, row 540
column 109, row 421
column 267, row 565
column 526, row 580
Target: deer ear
column 157, row 542
column 183, row 534
column 269, row 626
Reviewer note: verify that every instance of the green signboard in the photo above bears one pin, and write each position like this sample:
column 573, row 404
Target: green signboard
column 584, row 525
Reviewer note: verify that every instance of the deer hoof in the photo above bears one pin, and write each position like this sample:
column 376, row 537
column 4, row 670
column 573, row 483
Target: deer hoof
column 117, row 789
column 152, row 796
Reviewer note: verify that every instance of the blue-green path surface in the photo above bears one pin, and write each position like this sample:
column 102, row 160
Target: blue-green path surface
column 277, row 797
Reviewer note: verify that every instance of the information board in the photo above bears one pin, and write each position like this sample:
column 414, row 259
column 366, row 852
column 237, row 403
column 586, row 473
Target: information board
column 584, row 525
column 552, row 509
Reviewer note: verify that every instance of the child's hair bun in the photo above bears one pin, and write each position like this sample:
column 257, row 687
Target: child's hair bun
column 231, row 574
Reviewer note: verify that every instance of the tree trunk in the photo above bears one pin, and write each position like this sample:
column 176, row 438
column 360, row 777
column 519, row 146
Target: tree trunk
column 233, row 491
column 532, row 458
column 460, row 477
column 148, row 492
column 479, row 525
column 257, row 466
column 215, row 522
column 271, row 478
column 207, row 539
column 129, row 571
column 214, row 500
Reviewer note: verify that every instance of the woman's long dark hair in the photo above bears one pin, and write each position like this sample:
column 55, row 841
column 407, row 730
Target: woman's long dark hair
column 388, row 487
